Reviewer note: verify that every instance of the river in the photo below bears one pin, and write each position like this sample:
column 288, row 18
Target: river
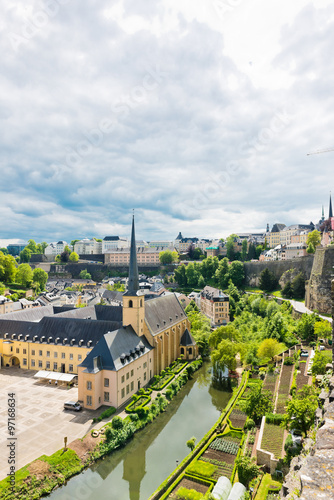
column 135, row 471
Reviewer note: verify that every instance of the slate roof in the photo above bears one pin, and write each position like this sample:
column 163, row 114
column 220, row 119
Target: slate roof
column 211, row 293
column 34, row 314
column 62, row 328
column 99, row 313
column 112, row 295
column 277, row 228
column 163, row 312
column 187, row 339
column 116, row 349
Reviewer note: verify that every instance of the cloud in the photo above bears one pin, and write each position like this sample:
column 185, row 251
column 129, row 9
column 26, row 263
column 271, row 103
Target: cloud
column 107, row 107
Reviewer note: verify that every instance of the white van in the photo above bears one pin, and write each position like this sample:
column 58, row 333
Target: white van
column 72, row 405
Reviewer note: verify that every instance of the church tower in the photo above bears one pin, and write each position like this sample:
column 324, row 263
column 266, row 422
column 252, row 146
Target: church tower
column 133, row 306
column 330, row 206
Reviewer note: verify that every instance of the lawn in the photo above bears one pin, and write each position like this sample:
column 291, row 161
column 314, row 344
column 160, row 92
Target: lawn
column 272, row 439
column 266, row 484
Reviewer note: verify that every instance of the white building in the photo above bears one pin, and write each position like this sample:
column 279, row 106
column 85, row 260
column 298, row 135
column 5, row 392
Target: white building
column 113, row 242
column 88, row 246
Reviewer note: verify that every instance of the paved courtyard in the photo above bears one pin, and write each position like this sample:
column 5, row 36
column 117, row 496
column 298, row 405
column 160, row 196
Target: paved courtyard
column 41, row 423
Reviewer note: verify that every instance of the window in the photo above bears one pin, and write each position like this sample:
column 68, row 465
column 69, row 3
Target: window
column 106, row 396
column 62, row 355
column 89, row 385
column 71, row 356
column 70, row 368
column 25, row 361
column 55, row 367
column 106, row 382
column 24, row 351
column 123, row 392
column 11, row 349
column 145, row 365
column 17, row 350
column 127, row 389
column 122, row 379
column 55, row 354
column 89, row 400
column 40, row 364
column 132, row 386
column 79, row 357
column 48, row 365
column 127, row 376
column 47, row 354
column 33, row 352
column 145, row 376
column 131, row 373
column 32, row 362
column 130, row 303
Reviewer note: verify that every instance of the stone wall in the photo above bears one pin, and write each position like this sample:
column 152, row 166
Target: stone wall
column 278, row 267
column 318, row 288
column 264, row 457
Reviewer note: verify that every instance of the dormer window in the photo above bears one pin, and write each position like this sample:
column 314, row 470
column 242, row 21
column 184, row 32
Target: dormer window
column 5, row 336
column 65, row 340
column 43, row 338
column 35, row 337
column 56, row 340
column 26, row 337
column 49, row 339
column 19, row 336
column 13, row 335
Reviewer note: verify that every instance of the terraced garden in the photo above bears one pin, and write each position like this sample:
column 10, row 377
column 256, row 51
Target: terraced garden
column 238, row 418
column 284, row 388
column 272, row 439
column 269, row 383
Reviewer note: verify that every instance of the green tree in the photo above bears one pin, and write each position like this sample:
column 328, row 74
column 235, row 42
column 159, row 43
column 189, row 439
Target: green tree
column 4, row 250
column 74, row 257
column 269, row 348
column 73, row 242
column 209, row 267
column 298, row 286
column 287, row 290
column 251, row 252
column 222, row 273
column 7, row 268
column 41, row 277
column 244, row 250
column 224, row 356
column 191, row 307
column 268, row 281
column 180, row 275
column 64, row 256
column 322, row 329
column 168, row 257
column 228, row 332
column 305, row 326
column 257, row 403
column 313, row 240
column 32, row 246
column 237, row 273
column 191, row 443
column 24, row 275
column 320, row 361
column 300, row 411
column 247, row 469
column 25, row 255
column 192, row 274
column 84, row 275
column 230, row 252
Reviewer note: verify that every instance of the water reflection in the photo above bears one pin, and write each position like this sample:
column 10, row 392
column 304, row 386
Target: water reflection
column 135, row 471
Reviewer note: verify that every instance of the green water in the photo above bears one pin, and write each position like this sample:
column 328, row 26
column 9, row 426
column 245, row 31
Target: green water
column 135, row 471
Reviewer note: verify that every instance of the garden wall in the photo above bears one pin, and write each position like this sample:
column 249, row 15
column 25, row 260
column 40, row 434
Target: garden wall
column 264, row 457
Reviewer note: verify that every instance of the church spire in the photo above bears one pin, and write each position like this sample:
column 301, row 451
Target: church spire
column 330, row 206
column 133, row 282
column 322, row 214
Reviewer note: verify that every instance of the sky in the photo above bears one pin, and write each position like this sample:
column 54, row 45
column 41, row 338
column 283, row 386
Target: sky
column 197, row 115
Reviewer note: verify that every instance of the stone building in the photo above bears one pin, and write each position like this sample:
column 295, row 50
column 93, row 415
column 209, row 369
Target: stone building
column 215, row 305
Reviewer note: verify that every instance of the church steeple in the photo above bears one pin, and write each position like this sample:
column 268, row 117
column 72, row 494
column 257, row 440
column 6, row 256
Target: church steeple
column 133, row 282
column 330, row 206
column 322, row 214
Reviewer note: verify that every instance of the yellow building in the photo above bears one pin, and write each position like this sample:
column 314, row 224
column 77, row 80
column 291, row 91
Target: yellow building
column 153, row 335
column 273, row 237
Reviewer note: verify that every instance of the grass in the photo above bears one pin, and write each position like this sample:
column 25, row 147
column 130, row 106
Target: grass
column 202, row 468
column 272, row 439
column 267, row 483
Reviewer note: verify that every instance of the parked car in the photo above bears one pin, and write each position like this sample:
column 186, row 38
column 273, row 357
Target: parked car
column 304, row 353
column 72, row 405
column 322, row 348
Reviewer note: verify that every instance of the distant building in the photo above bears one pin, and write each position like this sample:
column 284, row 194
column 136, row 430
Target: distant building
column 215, row 305
column 273, row 236
column 113, row 242
column 88, row 247
column 55, row 248
column 295, row 250
column 287, row 232
column 145, row 256
column 14, row 249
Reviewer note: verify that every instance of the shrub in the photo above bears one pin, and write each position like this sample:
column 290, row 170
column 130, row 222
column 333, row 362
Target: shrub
column 117, row 423
column 249, row 424
column 274, row 418
column 134, row 417
column 110, row 433
column 105, row 414
column 200, row 468
column 289, row 361
column 185, row 494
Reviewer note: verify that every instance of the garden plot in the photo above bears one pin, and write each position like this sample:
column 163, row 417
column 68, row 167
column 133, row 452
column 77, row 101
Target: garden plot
column 272, row 439
column 221, row 453
column 269, row 383
column 190, row 484
column 284, row 388
column 238, row 418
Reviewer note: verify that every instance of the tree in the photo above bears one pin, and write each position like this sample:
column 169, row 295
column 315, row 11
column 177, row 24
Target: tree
column 180, row 275
column 168, row 257
column 84, row 275
column 322, row 329
column 40, row 277
column 287, row 290
column 64, row 256
column 313, row 240
column 268, row 281
column 237, row 273
column 257, row 403
column 25, row 255
column 4, row 250
column 209, row 267
column 191, row 307
column 192, row 274
column 8, row 264
column 191, row 443
column 24, row 275
column 305, row 326
column 320, row 361
column 230, row 252
column 74, row 257
column 32, row 246
column 224, row 356
column 222, row 273
column 73, row 242
column 300, row 411
column 228, row 332
column 269, row 348
column 251, row 252
column 247, row 469
column 298, row 286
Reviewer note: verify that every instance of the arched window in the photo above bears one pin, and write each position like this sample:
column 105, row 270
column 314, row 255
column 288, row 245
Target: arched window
column 190, row 350
column 130, row 303
column 182, row 350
